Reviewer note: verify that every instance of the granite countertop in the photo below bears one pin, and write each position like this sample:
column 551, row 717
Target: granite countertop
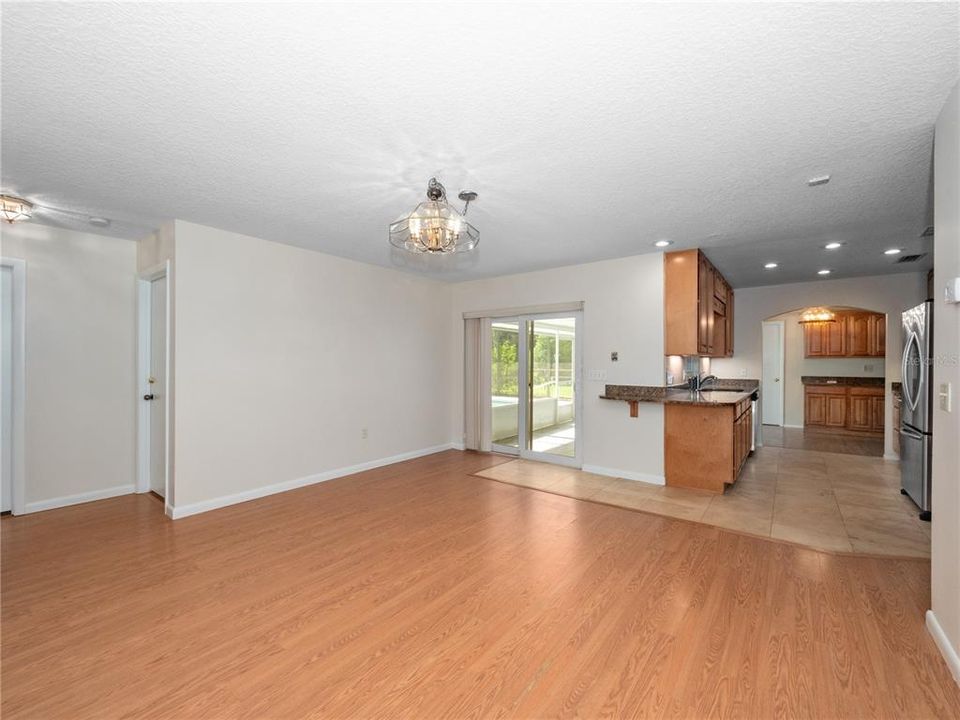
column 844, row 381
column 725, row 392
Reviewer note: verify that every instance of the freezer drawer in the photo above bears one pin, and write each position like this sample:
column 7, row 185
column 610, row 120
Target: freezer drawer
column 915, row 464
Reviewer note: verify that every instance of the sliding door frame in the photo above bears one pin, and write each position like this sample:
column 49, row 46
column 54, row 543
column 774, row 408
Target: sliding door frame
column 525, row 389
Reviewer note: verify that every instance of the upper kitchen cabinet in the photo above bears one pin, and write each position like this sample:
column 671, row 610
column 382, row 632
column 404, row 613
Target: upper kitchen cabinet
column 698, row 306
column 852, row 334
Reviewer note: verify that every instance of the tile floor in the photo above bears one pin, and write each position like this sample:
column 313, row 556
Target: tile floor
column 822, row 441
column 827, row 501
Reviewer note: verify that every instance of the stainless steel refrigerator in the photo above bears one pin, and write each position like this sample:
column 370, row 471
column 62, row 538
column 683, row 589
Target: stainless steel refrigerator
column 916, row 412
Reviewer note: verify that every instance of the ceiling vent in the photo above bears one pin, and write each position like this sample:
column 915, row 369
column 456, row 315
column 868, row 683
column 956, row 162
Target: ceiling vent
column 911, row 258
column 928, row 232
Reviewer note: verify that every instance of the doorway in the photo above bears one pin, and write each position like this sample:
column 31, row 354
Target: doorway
column 153, row 398
column 12, row 385
column 535, row 388
column 771, row 411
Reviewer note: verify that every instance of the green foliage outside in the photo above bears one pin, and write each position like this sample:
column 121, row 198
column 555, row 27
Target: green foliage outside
column 504, row 365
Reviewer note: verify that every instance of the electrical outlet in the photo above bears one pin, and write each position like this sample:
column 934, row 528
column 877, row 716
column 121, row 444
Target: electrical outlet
column 614, row 356
column 868, row 368
column 597, row 375
column 743, row 372
column 363, row 433
column 945, row 396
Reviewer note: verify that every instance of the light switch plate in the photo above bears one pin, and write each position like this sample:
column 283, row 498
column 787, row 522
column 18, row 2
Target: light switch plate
column 945, row 394
column 951, row 293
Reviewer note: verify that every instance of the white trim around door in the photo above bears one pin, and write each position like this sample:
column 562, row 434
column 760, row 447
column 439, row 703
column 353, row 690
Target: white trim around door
column 144, row 331
column 18, row 483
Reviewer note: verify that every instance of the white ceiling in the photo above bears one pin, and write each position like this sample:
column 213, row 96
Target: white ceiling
column 588, row 130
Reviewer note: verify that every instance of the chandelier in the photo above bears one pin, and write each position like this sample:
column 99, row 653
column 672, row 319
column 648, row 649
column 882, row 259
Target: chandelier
column 817, row 315
column 435, row 226
column 14, row 209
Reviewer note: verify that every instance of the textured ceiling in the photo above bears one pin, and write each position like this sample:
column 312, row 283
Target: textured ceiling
column 589, row 131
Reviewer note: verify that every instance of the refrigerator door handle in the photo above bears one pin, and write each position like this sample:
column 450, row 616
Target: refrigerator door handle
column 910, row 399
column 911, row 433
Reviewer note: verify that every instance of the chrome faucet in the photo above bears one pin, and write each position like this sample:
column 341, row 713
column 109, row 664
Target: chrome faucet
column 698, row 383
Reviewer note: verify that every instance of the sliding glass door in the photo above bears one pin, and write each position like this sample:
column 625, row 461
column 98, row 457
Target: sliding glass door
column 534, row 386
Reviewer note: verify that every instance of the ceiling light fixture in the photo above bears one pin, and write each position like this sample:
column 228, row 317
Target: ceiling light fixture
column 823, row 272
column 819, row 180
column 14, row 209
column 435, row 226
column 663, row 243
column 832, row 246
column 100, row 222
column 893, row 251
column 770, row 266
column 817, row 315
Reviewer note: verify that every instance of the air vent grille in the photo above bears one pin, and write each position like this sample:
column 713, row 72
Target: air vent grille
column 928, row 232
column 911, row 258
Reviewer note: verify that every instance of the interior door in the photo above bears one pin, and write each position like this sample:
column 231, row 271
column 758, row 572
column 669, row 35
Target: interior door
column 6, row 390
column 772, row 377
column 157, row 383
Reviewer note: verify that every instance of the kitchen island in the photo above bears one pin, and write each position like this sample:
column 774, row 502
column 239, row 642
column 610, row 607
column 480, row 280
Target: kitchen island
column 707, row 434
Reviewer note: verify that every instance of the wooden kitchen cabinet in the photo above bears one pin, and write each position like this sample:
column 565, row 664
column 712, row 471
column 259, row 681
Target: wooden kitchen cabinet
column 852, row 334
column 705, row 446
column 857, row 409
column 877, row 335
column 698, row 307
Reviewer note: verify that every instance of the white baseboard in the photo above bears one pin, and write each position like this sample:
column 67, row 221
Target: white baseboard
column 943, row 644
column 793, row 427
column 625, row 474
column 181, row 511
column 457, row 446
column 891, row 456
column 67, row 500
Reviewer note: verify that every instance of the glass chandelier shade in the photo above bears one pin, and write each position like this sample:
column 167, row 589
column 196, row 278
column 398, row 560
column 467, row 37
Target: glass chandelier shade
column 14, row 209
column 434, row 226
column 817, row 315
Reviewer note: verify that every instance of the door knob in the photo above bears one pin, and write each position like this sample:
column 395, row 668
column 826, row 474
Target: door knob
column 148, row 397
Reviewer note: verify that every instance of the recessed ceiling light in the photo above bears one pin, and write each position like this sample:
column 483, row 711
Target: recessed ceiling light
column 832, row 246
column 819, row 180
column 823, row 272
column 770, row 266
column 663, row 243
column 893, row 251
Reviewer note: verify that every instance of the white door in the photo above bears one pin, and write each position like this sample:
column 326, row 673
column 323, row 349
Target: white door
column 157, row 383
column 6, row 389
column 771, row 388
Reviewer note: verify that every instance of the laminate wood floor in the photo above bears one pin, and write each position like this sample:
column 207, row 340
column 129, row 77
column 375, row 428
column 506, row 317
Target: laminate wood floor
column 422, row 591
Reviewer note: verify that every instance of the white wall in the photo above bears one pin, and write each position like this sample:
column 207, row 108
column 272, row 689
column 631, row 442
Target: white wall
column 945, row 590
column 80, row 362
column 890, row 294
column 796, row 365
column 284, row 354
column 623, row 312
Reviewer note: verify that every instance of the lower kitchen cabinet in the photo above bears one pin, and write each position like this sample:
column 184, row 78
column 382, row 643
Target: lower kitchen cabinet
column 858, row 409
column 705, row 446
